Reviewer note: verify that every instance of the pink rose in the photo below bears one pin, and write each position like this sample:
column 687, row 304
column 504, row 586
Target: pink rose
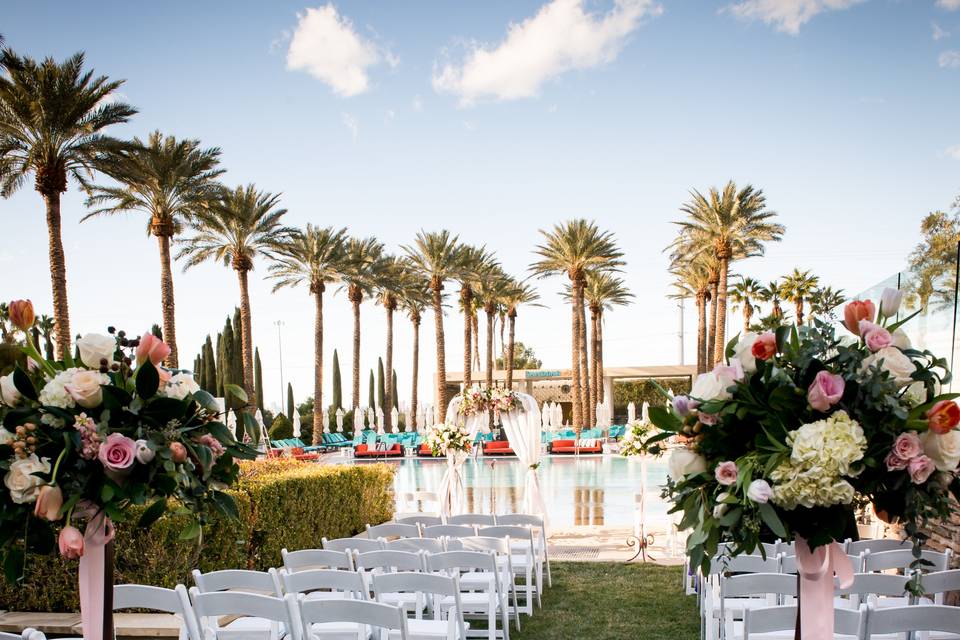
column 874, row 336
column 765, row 346
column 708, row 419
column 826, row 391
column 70, row 543
column 152, row 347
column 117, row 453
column 216, row 447
column 907, row 445
column 178, row 452
column 895, row 462
column 920, row 469
column 729, row 373
column 726, row 473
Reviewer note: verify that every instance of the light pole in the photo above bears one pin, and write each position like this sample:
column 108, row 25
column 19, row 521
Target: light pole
column 283, row 388
column 680, row 333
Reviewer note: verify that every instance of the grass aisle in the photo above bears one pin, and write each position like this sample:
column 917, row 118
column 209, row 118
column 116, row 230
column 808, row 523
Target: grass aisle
column 606, row 601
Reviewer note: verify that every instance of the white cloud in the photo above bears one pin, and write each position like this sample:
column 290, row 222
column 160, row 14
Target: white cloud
column 562, row 36
column 949, row 59
column 351, row 123
column 939, row 32
column 787, row 15
column 949, row 5
column 326, row 45
column 953, row 151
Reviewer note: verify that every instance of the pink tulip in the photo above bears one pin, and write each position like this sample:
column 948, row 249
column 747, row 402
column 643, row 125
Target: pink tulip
column 48, row 504
column 826, row 390
column 152, row 347
column 70, row 543
column 178, row 452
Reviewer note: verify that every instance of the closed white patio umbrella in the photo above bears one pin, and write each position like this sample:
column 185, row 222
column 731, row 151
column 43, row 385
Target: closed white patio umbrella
column 631, row 413
column 325, row 421
column 232, row 425
column 296, row 424
column 557, row 415
column 340, row 419
column 395, row 419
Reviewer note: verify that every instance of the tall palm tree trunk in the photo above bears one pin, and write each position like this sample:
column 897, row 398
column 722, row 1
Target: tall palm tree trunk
column 599, row 375
column 589, row 411
column 441, row 408
column 416, row 371
column 798, row 309
column 466, row 298
column 701, row 332
column 166, row 300
column 490, row 333
column 721, row 321
column 58, row 274
column 503, row 345
column 712, row 331
column 594, row 362
column 388, row 373
column 577, row 390
column 318, row 366
column 246, row 337
column 747, row 314
column 508, row 360
column 356, row 351
column 476, row 340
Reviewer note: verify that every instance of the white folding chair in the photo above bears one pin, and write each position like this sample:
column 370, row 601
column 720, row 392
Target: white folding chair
column 361, row 545
column 316, row 559
column 393, row 530
column 430, row 545
column 876, row 545
column 877, row 589
column 27, row 634
column 449, row 531
column 524, row 557
column 378, row 562
column 422, row 519
column 504, row 554
column 350, row 614
column 486, row 599
column 277, row 612
column 936, row 618
column 750, row 591
column 788, row 563
column 324, row 584
column 534, row 522
column 473, row 519
column 901, row 560
column 241, row 581
column 848, row 624
column 938, row 583
column 175, row 601
column 709, row 593
column 421, row 586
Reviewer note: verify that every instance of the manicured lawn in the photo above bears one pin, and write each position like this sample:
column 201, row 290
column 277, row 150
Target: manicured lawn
column 605, row 601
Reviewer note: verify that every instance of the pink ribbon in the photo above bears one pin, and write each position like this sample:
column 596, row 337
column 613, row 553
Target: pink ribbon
column 98, row 532
column 817, row 568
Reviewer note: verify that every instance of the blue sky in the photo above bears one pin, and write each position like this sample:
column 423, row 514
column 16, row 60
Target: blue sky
column 496, row 119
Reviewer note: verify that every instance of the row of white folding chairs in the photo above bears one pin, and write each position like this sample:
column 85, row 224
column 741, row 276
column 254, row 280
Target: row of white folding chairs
column 27, row 634
column 740, row 593
column 932, row 622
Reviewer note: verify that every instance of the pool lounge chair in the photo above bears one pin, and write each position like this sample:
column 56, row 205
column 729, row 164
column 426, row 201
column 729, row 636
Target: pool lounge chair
column 569, row 446
column 498, row 448
column 363, row 451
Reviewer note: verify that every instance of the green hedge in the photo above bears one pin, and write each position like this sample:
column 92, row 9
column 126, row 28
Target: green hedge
column 640, row 391
column 282, row 503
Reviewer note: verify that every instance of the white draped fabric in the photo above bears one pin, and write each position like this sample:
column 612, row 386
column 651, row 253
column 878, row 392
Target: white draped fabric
column 325, row 421
column 557, row 421
column 232, row 425
column 296, row 424
column 523, row 430
column 644, row 412
column 452, row 492
column 357, row 420
column 631, row 413
column 545, row 416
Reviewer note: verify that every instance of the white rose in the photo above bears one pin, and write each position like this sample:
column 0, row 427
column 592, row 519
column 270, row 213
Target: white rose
column 5, row 436
column 709, row 386
column 8, row 391
column 144, row 453
column 721, row 507
column 899, row 366
column 744, row 352
column 22, row 484
column 685, row 462
column 900, row 339
column 85, row 389
column 180, row 386
column 944, row 449
column 95, row 347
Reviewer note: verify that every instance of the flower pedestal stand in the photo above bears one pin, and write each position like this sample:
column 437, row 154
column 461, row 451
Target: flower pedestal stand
column 96, row 590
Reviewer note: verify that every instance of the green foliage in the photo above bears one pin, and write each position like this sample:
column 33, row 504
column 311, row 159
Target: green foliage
column 290, row 405
column 933, row 261
column 381, row 390
column 337, row 382
column 371, row 402
column 523, row 358
column 258, row 378
column 640, row 391
column 281, row 503
column 280, row 428
column 396, row 396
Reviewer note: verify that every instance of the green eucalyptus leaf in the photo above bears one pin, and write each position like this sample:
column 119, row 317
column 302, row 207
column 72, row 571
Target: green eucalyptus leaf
column 23, row 384
column 236, row 391
column 770, row 518
column 148, row 379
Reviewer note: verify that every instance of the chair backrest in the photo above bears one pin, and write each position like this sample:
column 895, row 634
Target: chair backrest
column 390, row 560
column 27, row 634
column 235, row 603
column 430, row 545
column 878, row 584
column 421, row 519
column 362, row 545
column 745, row 564
column 449, row 531
column 918, row 617
column 940, row 582
column 235, row 580
column 848, row 622
column 902, row 558
column 423, row 583
column 316, row 559
column 393, row 530
column 475, row 519
column 500, row 546
column 462, row 561
column 350, row 582
column 521, row 519
column 175, row 601
column 514, row 532
column 375, row 614
column 755, row 584
column 876, row 545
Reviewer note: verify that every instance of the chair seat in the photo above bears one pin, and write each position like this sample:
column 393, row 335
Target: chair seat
column 471, row 602
column 426, row 629
column 336, row 630
column 407, row 600
column 249, row 628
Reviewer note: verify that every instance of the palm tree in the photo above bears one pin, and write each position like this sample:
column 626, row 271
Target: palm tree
column 46, row 325
column 475, row 260
column 735, row 223
column 797, row 287
column 745, row 292
column 314, row 257
column 395, row 278
column 825, row 300
column 414, row 300
column 242, row 224
column 519, row 293
column 602, row 292
column 169, row 180
column 52, row 119
column 490, row 290
column 693, row 280
column 771, row 293
column 361, row 267
column 574, row 248
column 439, row 257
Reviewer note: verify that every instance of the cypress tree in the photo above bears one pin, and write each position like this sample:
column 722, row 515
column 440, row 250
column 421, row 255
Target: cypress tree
column 221, row 369
column 229, row 363
column 290, row 405
column 209, row 367
column 371, row 402
column 396, row 401
column 198, row 369
column 337, row 384
column 381, row 390
column 237, row 367
column 258, row 378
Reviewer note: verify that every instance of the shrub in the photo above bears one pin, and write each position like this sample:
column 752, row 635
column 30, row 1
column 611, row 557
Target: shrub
column 640, row 391
column 281, row 429
column 281, row 502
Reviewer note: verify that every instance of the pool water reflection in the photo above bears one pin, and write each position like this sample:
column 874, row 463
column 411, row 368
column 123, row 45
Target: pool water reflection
column 579, row 491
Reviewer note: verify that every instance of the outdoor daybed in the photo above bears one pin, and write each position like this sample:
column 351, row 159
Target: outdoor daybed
column 568, row 446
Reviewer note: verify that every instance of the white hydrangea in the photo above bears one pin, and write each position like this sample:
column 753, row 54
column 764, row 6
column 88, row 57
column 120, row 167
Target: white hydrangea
column 180, row 386
column 54, row 394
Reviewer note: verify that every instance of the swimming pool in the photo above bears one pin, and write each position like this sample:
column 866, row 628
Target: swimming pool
column 595, row 490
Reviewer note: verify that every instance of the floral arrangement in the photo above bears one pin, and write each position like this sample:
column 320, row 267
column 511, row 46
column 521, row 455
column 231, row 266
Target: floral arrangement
column 502, row 400
column 477, row 400
column 84, row 441
column 800, row 427
column 634, row 440
column 446, row 438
